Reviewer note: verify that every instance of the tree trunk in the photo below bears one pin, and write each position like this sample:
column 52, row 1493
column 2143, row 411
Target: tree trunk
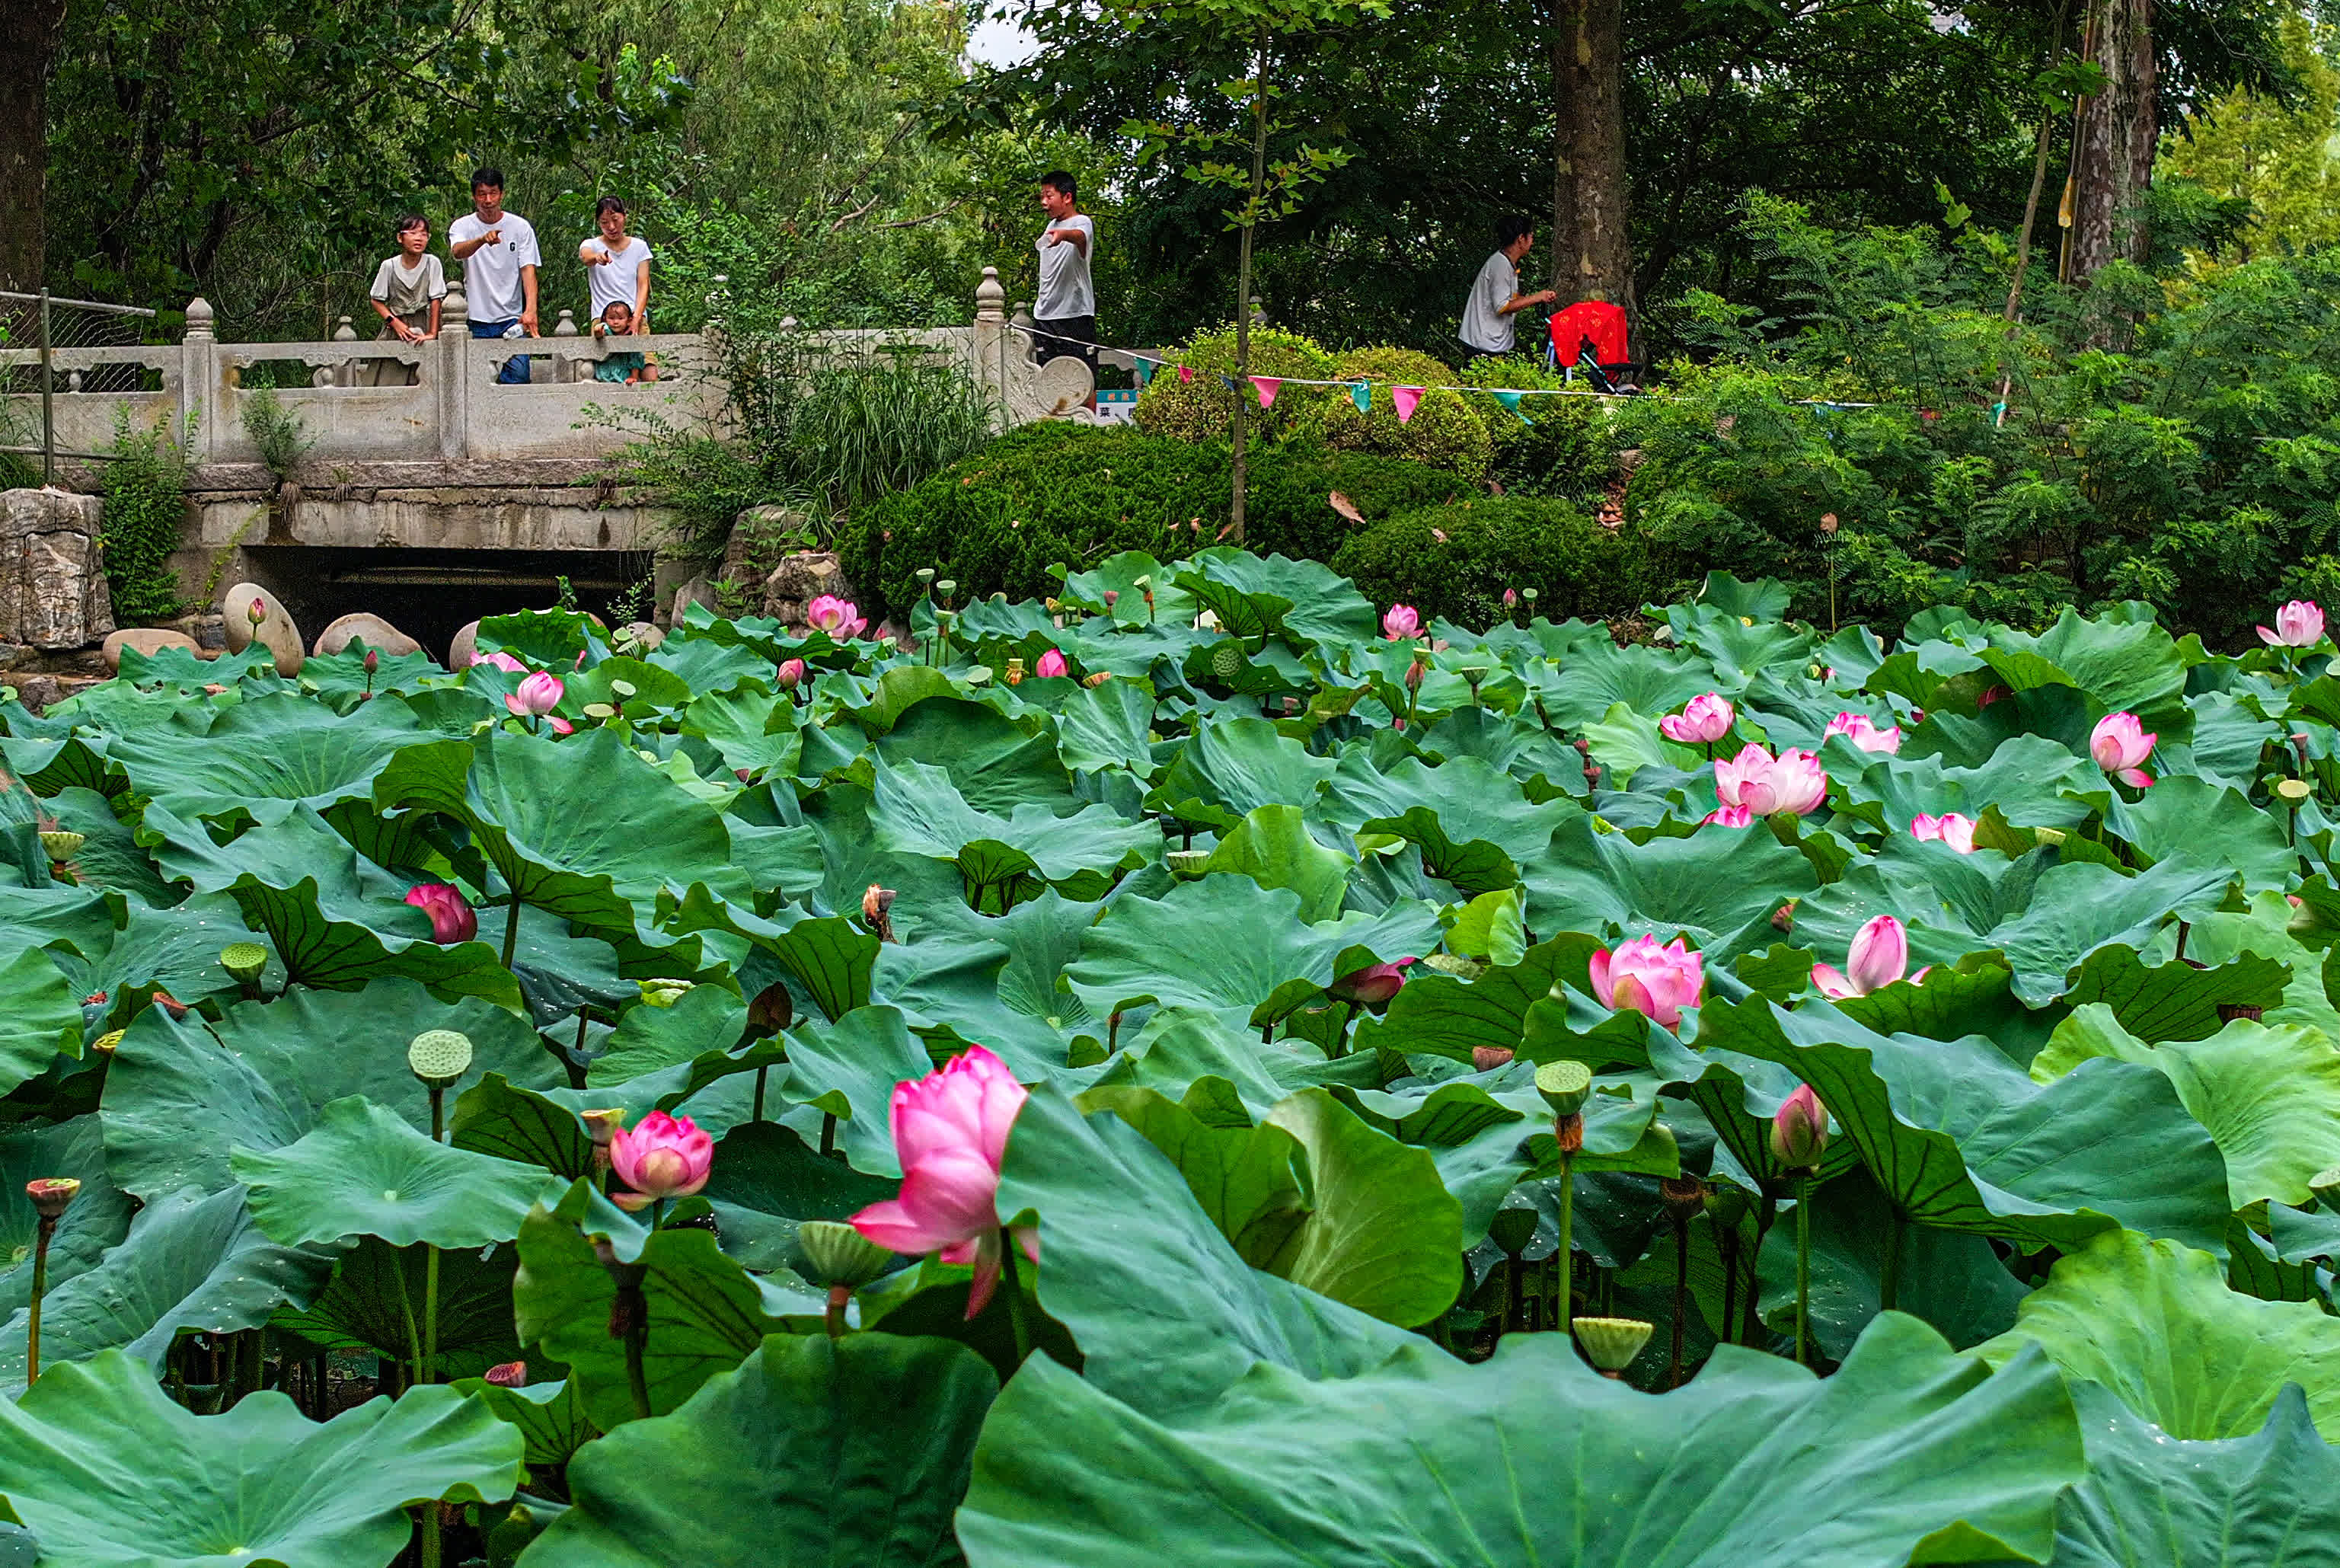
column 1564, row 170
column 28, row 38
column 1593, row 243
column 2113, row 163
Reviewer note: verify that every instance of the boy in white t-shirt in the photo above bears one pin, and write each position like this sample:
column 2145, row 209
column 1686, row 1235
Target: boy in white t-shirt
column 1064, row 316
column 500, row 276
column 618, row 266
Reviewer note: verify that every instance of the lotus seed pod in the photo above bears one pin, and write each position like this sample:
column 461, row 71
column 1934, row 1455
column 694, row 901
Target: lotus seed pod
column 1487, row 1058
column 947, row 588
column 926, row 575
column 662, row 993
column 1512, row 1229
column 244, row 961
column 1455, row 964
column 1726, row 1207
column 61, row 846
column 2326, row 1186
column 1683, row 1195
column 601, row 711
column 1565, row 1086
column 602, row 1126
column 2292, row 791
column 439, row 1055
column 1097, row 680
column 1187, row 863
column 979, row 676
column 623, row 691
column 1611, row 1343
column 1474, row 673
column 106, row 1043
column 51, row 1195
column 1226, row 661
column 1016, row 672
column 840, row 1255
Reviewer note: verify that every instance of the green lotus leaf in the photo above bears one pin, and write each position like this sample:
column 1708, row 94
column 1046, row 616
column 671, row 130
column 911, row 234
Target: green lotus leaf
column 1465, row 816
column 829, row 955
column 1272, row 846
column 1106, row 727
column 40, row 1017
column 98, row 1219
column 2033, row 781
column 1302, row 602
column 364, row 1171
column 1718, row 886
column 1232, row 768
column 182, row 1092
column 191, row 1260
column 109, row 855
column 2211, row 824
column 916, row 809
column 2154, row 1322
column 768, row 1181
column 1315, row 1196
column 1903, row 1455
column 2269, row 1097
column 493, row 1117
column 848, row 1069
column 1448, row 1016
column 1959, row 1138
column 378, row 1292
column 2175, row 1000
column 2119, row 657
column 1223, row 942
column 867, row 1443
column 173, row 951
column 547, row 639
column 648, row 1039
column 995, row 763
column 996, row 980
column 704, row 1311
column 1645, row 679
column 334, row 918
column 1165, row 1310
column 263, row 757
column 260, row 1484
column 551, row 1416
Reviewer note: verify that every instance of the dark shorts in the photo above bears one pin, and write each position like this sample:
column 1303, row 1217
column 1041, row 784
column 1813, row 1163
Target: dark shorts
column 1073, row 336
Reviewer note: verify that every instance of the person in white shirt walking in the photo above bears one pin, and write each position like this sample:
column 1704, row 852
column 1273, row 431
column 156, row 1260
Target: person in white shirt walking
column 500, row 279
column 1064, row 317
column 1495, row 296
column 619, row 267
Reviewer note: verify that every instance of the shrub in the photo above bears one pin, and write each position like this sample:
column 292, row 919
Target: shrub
column 1063, row 493
column 1554, row 446
column 1204, row 408
column 144, row 488
column 1492, row 543
column 1443, row 431
column 279, row 433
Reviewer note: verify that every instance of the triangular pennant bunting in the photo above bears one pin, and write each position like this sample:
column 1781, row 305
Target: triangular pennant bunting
column 1227, row 380
column 1511, row 401
column 1185, row 372
column 1266, row 386
column 1361, row 395
column 1406, row 398
column 1144, row 369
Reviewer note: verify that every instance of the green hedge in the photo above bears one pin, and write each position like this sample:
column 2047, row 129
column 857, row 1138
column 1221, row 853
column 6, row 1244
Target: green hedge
column 1444, row 431
column 1060, row 491
column 1493, row 543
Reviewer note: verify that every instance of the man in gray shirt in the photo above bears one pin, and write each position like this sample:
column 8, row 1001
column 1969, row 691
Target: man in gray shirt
column 1495, row 296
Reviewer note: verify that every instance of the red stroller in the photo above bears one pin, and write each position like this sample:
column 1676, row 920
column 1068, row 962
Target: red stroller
column 1591, row 336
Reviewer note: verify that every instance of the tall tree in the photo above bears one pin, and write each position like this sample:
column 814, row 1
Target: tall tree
column 1592, row 247
column 2119, row 132
column 28, row 42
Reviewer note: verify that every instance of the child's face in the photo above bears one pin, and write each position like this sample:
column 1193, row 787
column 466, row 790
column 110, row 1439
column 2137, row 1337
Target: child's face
column 619, row 319
column 416, row 240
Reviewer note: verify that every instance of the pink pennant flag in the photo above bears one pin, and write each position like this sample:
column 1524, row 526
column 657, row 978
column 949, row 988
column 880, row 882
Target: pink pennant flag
column 1267, row 386
column 1185, row 372
column 1405, row 398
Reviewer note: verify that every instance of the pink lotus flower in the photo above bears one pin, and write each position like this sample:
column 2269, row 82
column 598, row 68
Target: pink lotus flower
column 1879, row 956
column 1991, row 694
column 950, row 1133
column 2299, row 624
column 560, row 726
column 1800, row 1129
column 1949, row 827
column 664, row 1158
column 1401, row 624
column 538, row 695
column 1857, row 728
column 2120, row 746
column 501, row 660
column 1791, row 782
column 838, row 617
column 1371, row 987
column 1641, row 977
column 1703, row 721
column 508, row 1375
column 1510, row 599
column 1728, row 817
column 1051, row 665
column 452, row 919
column 790, row 673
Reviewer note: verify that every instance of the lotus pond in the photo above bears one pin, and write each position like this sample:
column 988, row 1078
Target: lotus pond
column 1277, row 1083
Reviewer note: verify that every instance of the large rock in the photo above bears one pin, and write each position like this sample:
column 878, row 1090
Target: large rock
column 53, row 591
column 639, row 637
column 761, row 538
column 799, row 579
column 375, row 632
column 464, row 651
column 149, row 641
column 277, row 631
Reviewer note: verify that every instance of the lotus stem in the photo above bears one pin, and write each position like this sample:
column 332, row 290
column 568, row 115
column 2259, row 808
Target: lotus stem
column 1889, row 1280
column 1729, row 1244
column 1567, row 1226
column 756, row 1113
column 827, row 1133
column 431, row 1544
column 429, row 1312
column 413, row 1335
column 1016, row 1304
column 48, row 1230
column 1681, row 1300
column 839, row 1295
column 511, row 927
column 1803, row 1268
column 1764, row 1218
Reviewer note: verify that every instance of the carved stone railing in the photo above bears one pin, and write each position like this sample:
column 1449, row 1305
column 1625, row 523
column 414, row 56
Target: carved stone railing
column 457, row 410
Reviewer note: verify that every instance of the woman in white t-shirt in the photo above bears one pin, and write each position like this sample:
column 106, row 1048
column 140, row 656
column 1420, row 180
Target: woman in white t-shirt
column 619, row 267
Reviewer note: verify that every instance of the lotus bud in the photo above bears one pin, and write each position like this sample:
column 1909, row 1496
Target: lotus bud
column 2325, row 1185
column 244, row 961
column 662, row 993
column 772, row 1011
column 1510, row 599
column 373, row 662
column 61, row 846
column 52, row 1195
column 1783, row 918
column 508, row 1375
column 580, row 661
column 106, row 1043
column 1401, row 623
column 256, row 611
column 1187, row 864
column 840, row 1255
column 1683, row 1195
column 1487, row 1058
column 439, row 1057
column 1726, row 1207
column 1052, row 666
column 1611, row 1343
column 1226, row 661
column 876, row 911
column 1800, row 1130
column 790, row 673
column 1565, row 1085
column 1415, row 672
column 1512, row 1229
column 539, row 695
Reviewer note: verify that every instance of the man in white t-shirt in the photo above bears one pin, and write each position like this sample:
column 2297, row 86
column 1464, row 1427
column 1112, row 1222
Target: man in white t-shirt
column 1495, row 294
column 1064, row 317
column 499, row 250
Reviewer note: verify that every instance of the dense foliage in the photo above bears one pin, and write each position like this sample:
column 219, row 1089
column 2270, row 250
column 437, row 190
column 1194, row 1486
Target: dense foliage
column 1310, row 1042
column 145, row 514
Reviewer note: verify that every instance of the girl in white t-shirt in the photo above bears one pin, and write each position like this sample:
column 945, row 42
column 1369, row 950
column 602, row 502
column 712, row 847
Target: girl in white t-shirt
column 619, row 267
